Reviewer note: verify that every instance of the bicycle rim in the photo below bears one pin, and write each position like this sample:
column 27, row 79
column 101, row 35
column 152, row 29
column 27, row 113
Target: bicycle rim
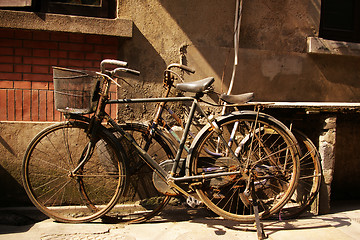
column 141, row 201
column 52, row 187
column 309, row 180
column 259, row 142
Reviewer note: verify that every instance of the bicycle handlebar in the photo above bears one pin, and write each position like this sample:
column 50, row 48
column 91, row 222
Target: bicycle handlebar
column 113, row 62
column 182, row 67
column 127, row 70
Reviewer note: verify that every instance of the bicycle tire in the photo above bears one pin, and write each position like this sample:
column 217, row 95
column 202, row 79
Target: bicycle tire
column 73, row 198
column 309, row 179
column 271, row 152
column 141, row 201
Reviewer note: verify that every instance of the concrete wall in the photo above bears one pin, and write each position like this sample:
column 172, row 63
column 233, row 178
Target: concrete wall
column 14, row 138
column 273, row 60
column 273, row 63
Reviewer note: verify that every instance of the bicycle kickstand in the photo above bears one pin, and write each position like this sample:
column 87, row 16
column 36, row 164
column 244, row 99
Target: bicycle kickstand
column 259, row 226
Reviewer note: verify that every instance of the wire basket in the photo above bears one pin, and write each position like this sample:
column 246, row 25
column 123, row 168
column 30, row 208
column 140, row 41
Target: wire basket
column 75, row 91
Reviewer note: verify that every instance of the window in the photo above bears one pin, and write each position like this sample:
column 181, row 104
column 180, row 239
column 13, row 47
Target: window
column 340, row 20
column 90, row 8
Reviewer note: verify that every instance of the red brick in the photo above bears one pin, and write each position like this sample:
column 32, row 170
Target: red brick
column 40, row 61
column 6, row 84
column 93, row 56
column 111, row 41
column 22, row 85
column 11, row 106
column 59, row 36
column 50, row 106
column 76, row 47
column 35, row 105
column 37, row 77
column 113, row 55
column 76, row 55
column 96, row 39
column 20, row 34
column 6, row 68
column 6, row 33
column 105, row 48
column 40, row 44
column 40, row 85
column 10, row 42
column 3, row 106
column 42, row 105
column 51, row 85
column 23, row 51
column 75, row 63
column 40, row 69
column 40, row 35
column 41, row 53
column 18, row 105
column 6, row 51
column 26, row 105
column 58, row 116
column 58, row 54
column 78, row 38
column 10, row 59
column 11, row 76
column 19, row 68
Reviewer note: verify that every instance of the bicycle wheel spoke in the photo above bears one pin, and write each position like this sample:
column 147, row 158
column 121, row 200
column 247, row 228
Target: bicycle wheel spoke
column 265, row 155
column 60, row 190
column 309, row 180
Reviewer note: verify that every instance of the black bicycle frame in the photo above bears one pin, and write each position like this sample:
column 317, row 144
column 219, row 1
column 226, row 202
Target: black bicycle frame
column 169, row 178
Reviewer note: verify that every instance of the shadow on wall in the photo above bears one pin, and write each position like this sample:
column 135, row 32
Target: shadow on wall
column 141, row 55
column 347, row 164
column 12, row 192
column 208, row 26
column 341, row 75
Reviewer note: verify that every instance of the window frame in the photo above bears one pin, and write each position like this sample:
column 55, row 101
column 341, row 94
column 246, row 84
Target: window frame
column 340, row 34
column 15, row 3
column 107, row 9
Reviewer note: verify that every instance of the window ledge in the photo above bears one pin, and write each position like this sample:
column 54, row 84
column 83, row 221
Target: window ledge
column 65, row 23
column 317, row 45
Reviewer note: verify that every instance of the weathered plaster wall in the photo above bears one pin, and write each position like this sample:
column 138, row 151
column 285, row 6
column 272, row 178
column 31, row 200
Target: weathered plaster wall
column 273, row 58
column 273, row 61
column 14, row 138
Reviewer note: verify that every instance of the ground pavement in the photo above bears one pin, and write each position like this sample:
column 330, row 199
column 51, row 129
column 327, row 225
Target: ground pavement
column 180, row 224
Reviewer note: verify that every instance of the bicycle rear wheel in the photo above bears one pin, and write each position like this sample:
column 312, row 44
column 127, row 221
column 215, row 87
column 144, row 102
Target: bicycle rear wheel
column 141, row 201
column 309, row 179
column 266, row 154
column 56, row 189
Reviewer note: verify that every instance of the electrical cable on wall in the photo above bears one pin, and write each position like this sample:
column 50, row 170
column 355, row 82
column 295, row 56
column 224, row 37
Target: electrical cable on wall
column 238, row 15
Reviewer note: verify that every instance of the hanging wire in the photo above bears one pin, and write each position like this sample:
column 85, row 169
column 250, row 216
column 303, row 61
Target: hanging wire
column 237, row 23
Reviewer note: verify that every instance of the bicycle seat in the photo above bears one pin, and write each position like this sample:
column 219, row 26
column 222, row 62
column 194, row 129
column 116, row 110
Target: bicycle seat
column 237, row 99
column 196, row 86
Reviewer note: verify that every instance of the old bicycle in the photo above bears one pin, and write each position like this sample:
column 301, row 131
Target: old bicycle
column 78, row 171
column 310, row 166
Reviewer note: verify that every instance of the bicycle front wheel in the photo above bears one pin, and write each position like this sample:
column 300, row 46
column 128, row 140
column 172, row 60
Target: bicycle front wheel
column 66, row 194
column 262, row 152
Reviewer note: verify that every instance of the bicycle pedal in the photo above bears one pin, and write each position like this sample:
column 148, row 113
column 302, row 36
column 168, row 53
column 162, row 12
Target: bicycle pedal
column 192, row 202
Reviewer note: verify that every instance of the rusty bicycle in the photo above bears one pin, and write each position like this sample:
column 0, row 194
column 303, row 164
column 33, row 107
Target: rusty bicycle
column 87, row 168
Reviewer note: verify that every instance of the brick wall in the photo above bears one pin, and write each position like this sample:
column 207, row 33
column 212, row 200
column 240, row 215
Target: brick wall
column 26, row 60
